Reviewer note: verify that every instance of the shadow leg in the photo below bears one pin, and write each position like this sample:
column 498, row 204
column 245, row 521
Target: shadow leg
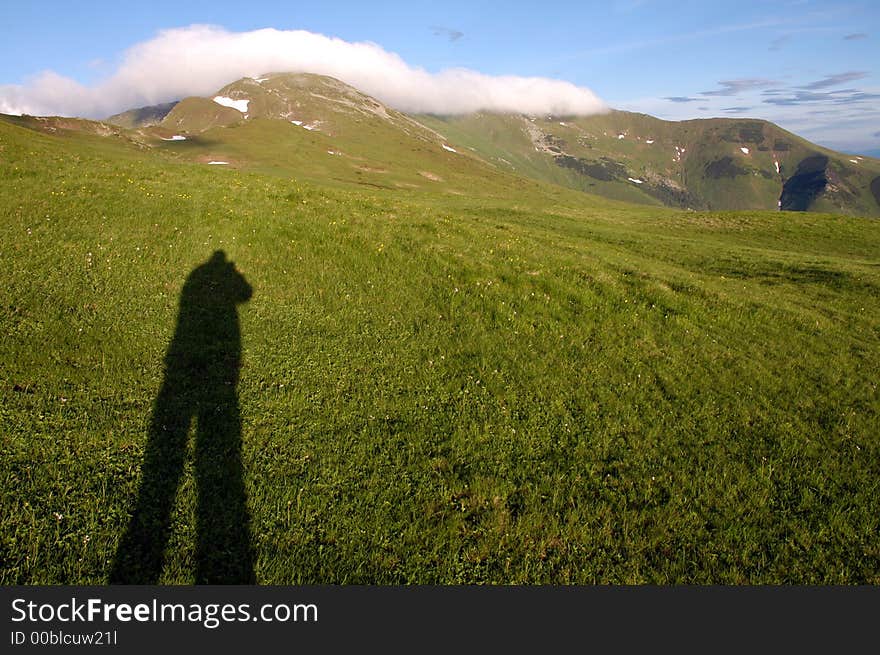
column 140, row 552
column 224, row 554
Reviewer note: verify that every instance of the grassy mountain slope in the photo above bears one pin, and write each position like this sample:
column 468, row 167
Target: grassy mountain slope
column 289, row 123
column 142, row 116
column 314, row 102
column 317, row 128
column 700, row 164
column 340, row 138
column 199, row 114
column 68, row 127
column 517, row 383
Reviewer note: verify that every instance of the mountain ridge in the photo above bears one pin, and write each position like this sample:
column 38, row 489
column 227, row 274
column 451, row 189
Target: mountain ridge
column 700, row 164
column 717, row 163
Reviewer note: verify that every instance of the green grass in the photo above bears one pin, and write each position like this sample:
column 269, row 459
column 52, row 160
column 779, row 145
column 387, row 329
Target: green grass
column 496, row 387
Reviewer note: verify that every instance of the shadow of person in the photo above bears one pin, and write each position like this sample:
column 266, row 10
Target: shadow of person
column 201, row 375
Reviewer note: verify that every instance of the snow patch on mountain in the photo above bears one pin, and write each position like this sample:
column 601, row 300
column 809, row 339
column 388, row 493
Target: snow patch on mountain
column 240, row 105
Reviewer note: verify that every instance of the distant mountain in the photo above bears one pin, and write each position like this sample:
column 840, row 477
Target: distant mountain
column 316, row 127
column 142, row 116
column 717, row 163
column 314, row 102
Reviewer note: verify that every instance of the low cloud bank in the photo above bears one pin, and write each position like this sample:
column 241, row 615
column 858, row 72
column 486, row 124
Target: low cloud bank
column 199, row 59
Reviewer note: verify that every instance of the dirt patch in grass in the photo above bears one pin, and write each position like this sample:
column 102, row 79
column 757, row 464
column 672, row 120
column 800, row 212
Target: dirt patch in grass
column 745, row 132
column 603, row 169
column 724, row 167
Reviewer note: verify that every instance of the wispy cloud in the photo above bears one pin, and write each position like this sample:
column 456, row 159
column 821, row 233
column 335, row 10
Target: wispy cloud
column 855, row 37
column 850, row 133
column 777, row 43
column 449, row 33
column 837, row 97
column 680, row 99
column 843, row 119
column 834, row 80
column 734, row 87
column 200, row 59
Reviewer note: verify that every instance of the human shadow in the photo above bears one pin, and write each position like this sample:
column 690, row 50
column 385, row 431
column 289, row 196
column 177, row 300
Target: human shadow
column 201, row 375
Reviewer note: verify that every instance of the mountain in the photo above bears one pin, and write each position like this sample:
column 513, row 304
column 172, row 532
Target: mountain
column 717, row 163
column 316, row 102
column 300, row 126
column 701, row 164
column 319, row 128
column 142, row 116
column 728, row 164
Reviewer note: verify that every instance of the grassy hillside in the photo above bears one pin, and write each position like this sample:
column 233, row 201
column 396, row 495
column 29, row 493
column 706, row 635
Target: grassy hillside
column 510, row 383
column 322, row 130
column 727, row 164
column 372, row 156
column 700, row 164
column 198, row 115
column 142, row 116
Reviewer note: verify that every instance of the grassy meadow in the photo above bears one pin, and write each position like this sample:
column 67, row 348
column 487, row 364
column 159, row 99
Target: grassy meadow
column 496, row 385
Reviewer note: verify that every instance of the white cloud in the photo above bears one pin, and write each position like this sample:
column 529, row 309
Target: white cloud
column 200, row 59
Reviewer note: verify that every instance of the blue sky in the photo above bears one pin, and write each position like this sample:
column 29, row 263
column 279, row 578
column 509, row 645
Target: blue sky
column 810, row 66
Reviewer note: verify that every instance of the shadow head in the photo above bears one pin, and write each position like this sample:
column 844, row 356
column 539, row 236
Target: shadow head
column 228, row 282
